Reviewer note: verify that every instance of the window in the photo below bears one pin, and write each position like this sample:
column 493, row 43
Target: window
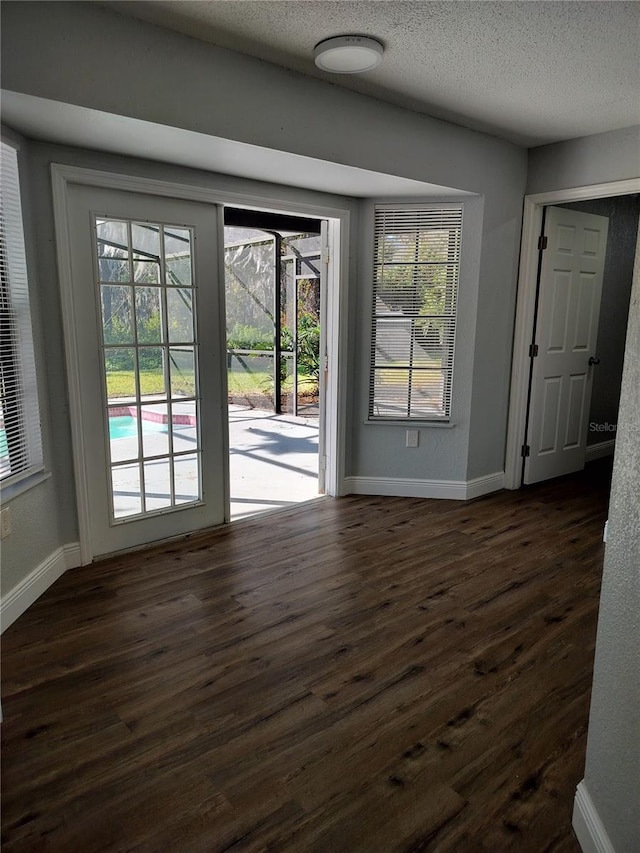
column 20, row 442
column 416, row 269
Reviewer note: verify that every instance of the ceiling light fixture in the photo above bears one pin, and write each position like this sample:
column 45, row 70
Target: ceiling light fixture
column 348, row 54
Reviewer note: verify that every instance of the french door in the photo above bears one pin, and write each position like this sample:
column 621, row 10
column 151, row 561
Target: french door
column 147, row 317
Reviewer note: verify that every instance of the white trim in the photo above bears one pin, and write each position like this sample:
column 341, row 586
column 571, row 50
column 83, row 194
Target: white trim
column 10, row 491
column 525, row 308
column 460, row 490
column 600, row 450
column 338, row 273
column 589, row 829
column 190, row 192
column 38, row 581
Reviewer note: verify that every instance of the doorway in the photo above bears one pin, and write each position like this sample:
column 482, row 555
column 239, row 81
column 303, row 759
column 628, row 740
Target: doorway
column 275, row 292
column 523, row 352
column 192, row 367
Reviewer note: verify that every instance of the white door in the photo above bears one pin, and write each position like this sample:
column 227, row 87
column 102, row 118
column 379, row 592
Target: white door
column 566, row 332
column 147, row 309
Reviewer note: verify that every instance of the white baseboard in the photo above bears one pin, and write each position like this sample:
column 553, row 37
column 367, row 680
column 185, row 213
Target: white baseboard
column 460, row 490
column 37, row 581
column 589, row 829
column 599, row 450
column 484, row 485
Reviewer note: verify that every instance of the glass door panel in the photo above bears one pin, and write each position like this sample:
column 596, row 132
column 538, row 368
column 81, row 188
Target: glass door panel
column 151, row 383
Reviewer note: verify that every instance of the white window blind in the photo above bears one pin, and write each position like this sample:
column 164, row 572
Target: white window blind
column 20, row 441
column 416, row 269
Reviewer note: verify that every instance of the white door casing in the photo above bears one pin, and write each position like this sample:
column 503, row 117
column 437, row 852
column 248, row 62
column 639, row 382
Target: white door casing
column 206, row 503
column 566, row 331
column 534, row 206
column 324, row 358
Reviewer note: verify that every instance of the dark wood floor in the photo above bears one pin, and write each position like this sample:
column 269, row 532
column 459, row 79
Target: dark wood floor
column 366, row 674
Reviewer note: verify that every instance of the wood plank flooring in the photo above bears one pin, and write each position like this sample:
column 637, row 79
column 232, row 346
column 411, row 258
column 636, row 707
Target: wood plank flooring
column 362, row 674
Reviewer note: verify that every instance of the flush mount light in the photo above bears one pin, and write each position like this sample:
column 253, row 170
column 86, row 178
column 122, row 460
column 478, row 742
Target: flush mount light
column 348, row 54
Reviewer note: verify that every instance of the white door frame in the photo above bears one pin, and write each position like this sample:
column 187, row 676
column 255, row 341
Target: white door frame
column 337, row 300
column 525, row 309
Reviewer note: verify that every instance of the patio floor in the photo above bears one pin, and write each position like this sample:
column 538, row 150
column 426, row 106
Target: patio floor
column 273, row 460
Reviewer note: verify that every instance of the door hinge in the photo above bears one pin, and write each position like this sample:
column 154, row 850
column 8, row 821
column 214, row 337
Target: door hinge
column 323, row 463
column 542, row 243
column 533, row 351
column 326, row 257
column 526, row 450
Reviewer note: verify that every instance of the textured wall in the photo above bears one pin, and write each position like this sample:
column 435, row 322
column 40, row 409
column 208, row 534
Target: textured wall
column 612, row 774
column 622, row 212
column 597, row 159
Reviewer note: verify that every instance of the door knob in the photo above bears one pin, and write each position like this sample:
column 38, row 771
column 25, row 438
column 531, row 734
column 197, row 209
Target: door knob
column 593, row 361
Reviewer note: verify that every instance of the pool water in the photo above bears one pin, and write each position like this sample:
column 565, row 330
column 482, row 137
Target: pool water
column 124, row 426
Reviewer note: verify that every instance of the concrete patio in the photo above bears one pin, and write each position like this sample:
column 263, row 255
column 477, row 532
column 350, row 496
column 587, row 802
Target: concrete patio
column 273, row 460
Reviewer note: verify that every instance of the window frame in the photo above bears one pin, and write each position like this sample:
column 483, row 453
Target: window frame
column 443, row 420
column 17, row 345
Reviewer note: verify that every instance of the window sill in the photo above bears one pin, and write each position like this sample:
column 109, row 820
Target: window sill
column 12, row 490
column 408, row 423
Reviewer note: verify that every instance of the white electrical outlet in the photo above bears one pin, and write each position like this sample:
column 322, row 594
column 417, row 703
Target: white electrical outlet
column 413, row 437
column 5, row 522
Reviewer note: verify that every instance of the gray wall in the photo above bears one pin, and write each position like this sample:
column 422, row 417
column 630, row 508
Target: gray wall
column 596, row 159
column 612, row 774
column 34, row 519
column 622, row 212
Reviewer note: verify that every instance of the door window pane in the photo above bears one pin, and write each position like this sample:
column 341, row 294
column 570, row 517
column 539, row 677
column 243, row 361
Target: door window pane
column 123, row 434
column 180, row 315
column 120, row 373
column 157, row 484
column 151, row 366
column 145, row 240
column 127, row 499
column 187, row 485
column 155, row 430
column 113, row 250
column 184, row 427
column 177, row 249
column 148, row 315
column 182, row 368
column 116, row 303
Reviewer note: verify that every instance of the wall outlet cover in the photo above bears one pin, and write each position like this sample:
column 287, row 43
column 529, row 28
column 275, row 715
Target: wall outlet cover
column 413, row 438
column 5, row 522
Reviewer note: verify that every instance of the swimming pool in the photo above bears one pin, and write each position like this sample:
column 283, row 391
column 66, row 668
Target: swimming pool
column 124, row 426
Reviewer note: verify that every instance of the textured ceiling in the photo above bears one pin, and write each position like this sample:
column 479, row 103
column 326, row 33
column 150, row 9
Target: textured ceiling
column 531, row 72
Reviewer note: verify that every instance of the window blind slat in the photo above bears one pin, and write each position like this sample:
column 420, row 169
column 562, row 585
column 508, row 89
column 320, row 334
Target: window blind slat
column 416, row 269
column 20, row 441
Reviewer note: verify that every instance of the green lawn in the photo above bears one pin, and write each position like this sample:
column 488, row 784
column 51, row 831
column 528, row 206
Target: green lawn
column 121, row 383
